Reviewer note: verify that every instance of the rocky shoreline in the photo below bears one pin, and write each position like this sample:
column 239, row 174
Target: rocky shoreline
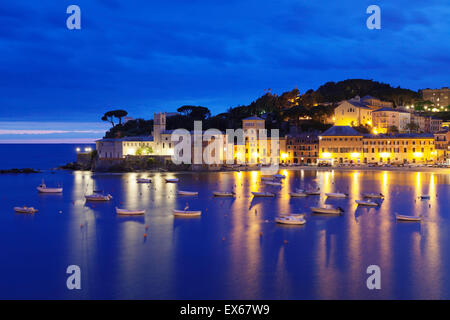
column 15, row 170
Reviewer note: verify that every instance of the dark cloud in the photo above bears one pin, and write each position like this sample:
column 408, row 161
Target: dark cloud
column 147, row 56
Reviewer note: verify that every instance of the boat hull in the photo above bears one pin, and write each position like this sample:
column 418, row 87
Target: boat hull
column 187, row 193
column 124, row 212
column 401, row 217
column 336, row 195
column 325, row 210
column 223, row 194
column 298, row 195
column 49, row 190
column 25, row 210
column 263, row 194
column 366, row 203
column 183, row 213
column 373, row 196
column 290, row 221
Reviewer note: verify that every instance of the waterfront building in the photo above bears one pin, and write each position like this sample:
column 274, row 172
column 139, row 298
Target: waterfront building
column 343, row 144
column 302, row 149
column 385, row 118
column 439, row 97
column 340, row 144
column 402, row 148
column 442, row 145
column 352, row 112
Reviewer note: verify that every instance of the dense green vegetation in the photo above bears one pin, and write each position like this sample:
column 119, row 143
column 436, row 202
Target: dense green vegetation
column 306, row 111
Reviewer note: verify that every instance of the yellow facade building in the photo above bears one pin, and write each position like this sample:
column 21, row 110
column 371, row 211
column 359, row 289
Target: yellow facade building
column 352, row 112
column 343, row 144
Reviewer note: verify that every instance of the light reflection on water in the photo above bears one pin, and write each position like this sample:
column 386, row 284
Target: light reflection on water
column 234, row 251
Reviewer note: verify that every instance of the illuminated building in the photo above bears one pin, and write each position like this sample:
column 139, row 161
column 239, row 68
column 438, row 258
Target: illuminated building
column 439, row 97
column 301, row 149
column 340, row 144
column 441, row 142
column 343, row 144
column 352, row 112
column 384, row 118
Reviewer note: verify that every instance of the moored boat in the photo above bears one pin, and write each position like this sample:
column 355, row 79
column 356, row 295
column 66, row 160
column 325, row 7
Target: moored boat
column 263, row 194
column 315, row 192
column 279, row 176
column 186, row 213
column 223, row 194
column 98, row 197
column 266, row 179
column 327, row 210
column 187, row 193
column 366, row 203
column 271, row 183
column 143, row 180
column 425, row 197
column 403, row 217
column 172, row 180
column 25, row 210
column 43, row 189
column 290, row 220
column 373, row 195
column 125, row 212
column 336, row 195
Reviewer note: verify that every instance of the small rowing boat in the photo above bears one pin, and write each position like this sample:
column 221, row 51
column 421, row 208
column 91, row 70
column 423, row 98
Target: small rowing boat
column 402, row 217
column 279, row 176
column 271, row 183
column 336, row 195
column 373, row 195
column 125, row 212
column 186, row 213
column 172, row 180
column 224, row 194
column 266, row 179
column 327, row 210
column 143, row 180
column 425, row 197
column 263, row 194
column 43, row 189
column 313, row 192
column 98, row 197
column 187, row 193
column 290, row 220
column 366, row 203
column 25, row 210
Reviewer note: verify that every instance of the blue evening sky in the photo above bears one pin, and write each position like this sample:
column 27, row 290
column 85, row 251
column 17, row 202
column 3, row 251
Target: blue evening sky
column 150, row 56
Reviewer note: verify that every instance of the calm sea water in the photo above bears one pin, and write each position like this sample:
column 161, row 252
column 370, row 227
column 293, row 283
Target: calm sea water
column 234, row 250
column 38, row 156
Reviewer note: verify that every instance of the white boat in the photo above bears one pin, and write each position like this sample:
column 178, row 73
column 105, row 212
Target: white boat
column 143, row 180
column 298, row 194
column 172, row 180
column 313, row 192
column 186, row 213
column 224, row 194
column 98, row 197
column 271, row 183
column 336, row 195
column 290, row 220
column 327, row 210
column 279, row 176
column 366, row 203
column 402, row 217
column 25, row 210
column 425, row 197
column 187, row 193
column 294, row 215
column 43, row 189
column 263, row 194
column 373, row 195
column 125, row 212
